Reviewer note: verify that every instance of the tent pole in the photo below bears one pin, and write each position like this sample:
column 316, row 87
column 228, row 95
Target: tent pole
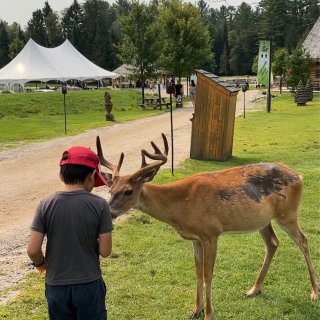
column 64, row 92
column 65, row 114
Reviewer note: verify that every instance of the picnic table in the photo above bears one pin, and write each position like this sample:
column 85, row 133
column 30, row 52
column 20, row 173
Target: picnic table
column 154, row 103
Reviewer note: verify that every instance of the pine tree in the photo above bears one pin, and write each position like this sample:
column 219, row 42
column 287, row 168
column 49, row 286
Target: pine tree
column 224, row 62
column 300, row 97
column 309, row 91
column 37, row 29
column 17, row 39
column 4, row 45
column 72, row 25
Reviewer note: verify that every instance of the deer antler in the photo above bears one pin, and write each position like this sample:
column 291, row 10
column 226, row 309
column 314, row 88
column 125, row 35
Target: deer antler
column 115, row 169
column 161, row 158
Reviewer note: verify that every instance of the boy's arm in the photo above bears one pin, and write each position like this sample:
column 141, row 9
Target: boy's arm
column 34, row 247
column 105, row 244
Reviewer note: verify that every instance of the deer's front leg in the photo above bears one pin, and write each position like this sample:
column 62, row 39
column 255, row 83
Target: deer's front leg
column 198, row 260
column 209, row 257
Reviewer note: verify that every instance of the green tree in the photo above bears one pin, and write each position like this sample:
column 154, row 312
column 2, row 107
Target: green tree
column 312, row 12
column 300, row 95
column 36, row 28
column 254, row 67
column 280, row 64
column 54, row 29
column 243, row 40
column 4, row 44
column 72, row 25
column 123, row 7
column 98, row 18
column 204, row 8
column 224, row 57
column 46, row 10
column 218, row 23
column 15, row 47
column 273, row 20
column 53, row 26
column 17, row 39
column 140, row 42
column 187, row 40
column 309, row 91
column 299, row 64
column 224, row 62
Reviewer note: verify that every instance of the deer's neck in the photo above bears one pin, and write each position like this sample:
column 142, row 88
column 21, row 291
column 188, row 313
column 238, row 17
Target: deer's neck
column 170, row 203
column 159, row 201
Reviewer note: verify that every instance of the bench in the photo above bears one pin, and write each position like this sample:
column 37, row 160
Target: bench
column 167, row 104
column 154, row 103
column 145, row 105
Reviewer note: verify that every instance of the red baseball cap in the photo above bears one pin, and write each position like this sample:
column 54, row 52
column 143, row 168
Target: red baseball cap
column 86, row 157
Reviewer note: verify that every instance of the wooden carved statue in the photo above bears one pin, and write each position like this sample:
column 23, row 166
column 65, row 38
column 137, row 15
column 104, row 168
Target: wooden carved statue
column 108, row 106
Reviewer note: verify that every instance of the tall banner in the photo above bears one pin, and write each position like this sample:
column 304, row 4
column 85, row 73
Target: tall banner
column 263, row 63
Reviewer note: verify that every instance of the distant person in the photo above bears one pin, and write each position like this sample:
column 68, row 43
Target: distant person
column 77, row 225
column 247, row 84
column 192, row 91
column 153, row 86
column 179, row 93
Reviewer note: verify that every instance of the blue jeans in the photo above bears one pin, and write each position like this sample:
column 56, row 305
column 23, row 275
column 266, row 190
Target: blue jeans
column 77, row 301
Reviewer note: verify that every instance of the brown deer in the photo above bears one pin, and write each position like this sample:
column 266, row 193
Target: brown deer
column 205, row 205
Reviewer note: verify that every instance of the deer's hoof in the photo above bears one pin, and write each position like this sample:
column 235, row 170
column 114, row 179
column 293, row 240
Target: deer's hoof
column 197, row 314
column 314, row 296
column 252, row 293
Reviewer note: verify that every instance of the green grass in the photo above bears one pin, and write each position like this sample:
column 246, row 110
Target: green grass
column 29, row 117
column 150, row 275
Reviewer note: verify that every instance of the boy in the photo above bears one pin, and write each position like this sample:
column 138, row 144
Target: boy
column 78, row 227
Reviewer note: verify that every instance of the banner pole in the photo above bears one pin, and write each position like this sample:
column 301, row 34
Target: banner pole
column 264, row 69
column 269, row 83
column 171, row 122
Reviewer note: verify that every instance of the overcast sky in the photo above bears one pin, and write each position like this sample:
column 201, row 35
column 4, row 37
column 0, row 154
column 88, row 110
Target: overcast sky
column 21, row 10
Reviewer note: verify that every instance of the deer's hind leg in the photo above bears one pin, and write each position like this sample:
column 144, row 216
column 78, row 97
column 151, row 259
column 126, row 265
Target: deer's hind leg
column 291, row 227
column 271, row 242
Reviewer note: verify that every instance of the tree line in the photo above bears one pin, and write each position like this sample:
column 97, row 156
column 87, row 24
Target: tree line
column 169, row 35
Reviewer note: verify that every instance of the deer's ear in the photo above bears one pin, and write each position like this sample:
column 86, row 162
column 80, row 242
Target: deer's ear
column 148, row 176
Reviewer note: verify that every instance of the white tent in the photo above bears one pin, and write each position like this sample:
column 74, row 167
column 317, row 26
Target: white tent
column 124, row 70
column 62, row 63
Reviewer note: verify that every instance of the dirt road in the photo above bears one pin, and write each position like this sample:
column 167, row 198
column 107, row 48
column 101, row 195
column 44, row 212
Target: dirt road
column 30, row 173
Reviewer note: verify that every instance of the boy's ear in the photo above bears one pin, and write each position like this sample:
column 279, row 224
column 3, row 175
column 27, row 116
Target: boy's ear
column 61, row 177
column 92, row 175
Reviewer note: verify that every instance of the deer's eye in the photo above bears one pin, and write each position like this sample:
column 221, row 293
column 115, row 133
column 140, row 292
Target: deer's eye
column 128, row 192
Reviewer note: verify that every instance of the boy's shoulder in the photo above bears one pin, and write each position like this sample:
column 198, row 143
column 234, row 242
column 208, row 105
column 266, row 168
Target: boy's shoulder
column 76, row 194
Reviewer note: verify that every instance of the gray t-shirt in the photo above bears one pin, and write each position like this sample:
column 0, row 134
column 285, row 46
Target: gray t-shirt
column 72, row 222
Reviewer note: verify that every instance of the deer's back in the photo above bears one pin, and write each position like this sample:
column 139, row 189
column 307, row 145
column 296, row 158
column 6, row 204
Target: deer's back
column 238, row 199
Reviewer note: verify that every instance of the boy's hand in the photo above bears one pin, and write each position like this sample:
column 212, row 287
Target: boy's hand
column 41, row 268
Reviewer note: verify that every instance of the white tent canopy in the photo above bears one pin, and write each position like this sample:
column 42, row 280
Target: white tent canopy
column 62, row 63
column 124, row 71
